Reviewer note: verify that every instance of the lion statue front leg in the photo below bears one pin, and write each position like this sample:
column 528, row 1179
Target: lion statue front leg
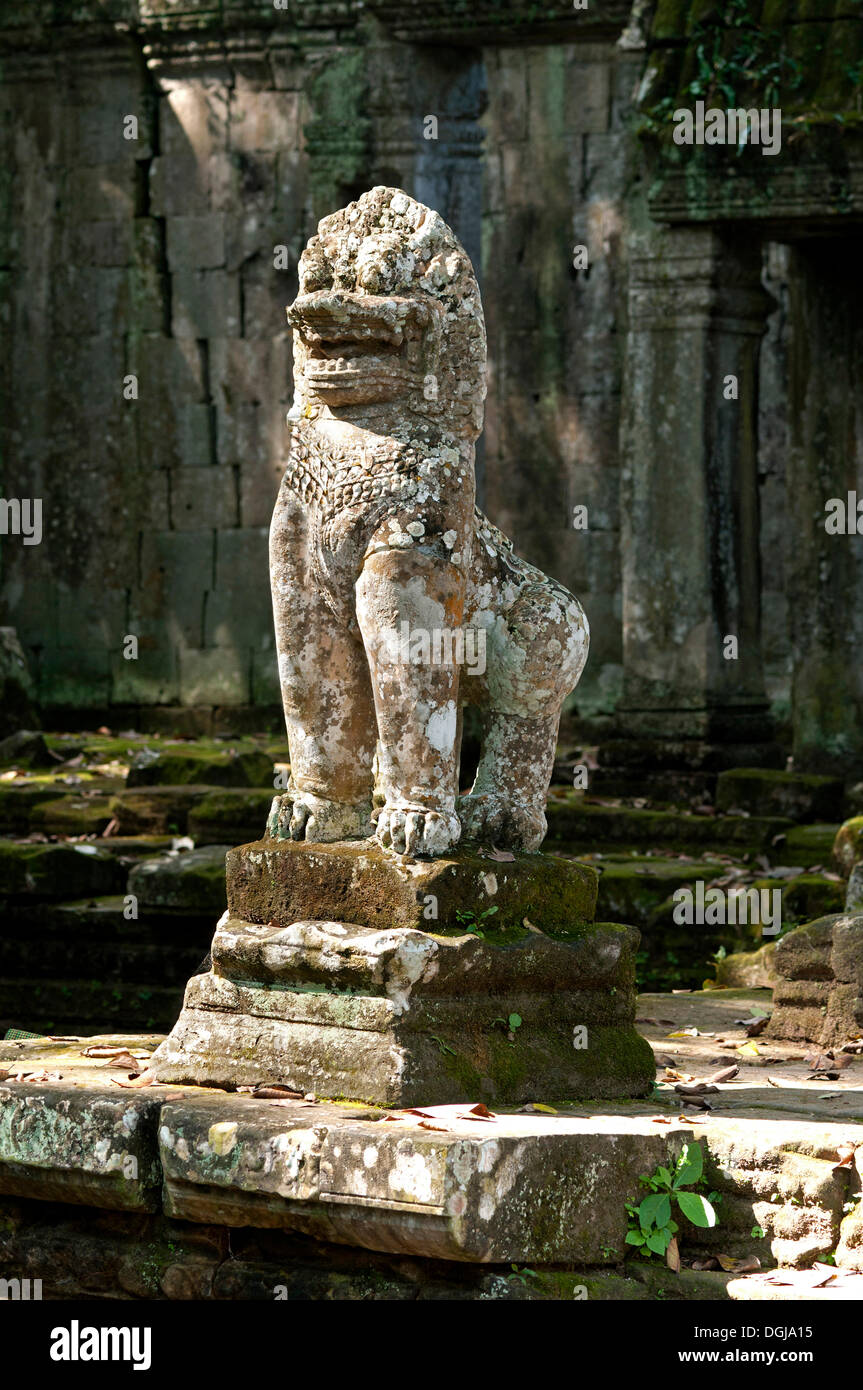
column 410, row 599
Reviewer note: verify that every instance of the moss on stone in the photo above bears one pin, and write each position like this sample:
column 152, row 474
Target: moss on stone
column 848, row 845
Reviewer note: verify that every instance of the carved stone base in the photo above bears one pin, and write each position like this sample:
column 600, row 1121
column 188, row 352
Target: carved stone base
column 395, row 1016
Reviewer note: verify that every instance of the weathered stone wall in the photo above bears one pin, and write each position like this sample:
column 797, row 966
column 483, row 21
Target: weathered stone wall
column 154, row 257
column 556, row 174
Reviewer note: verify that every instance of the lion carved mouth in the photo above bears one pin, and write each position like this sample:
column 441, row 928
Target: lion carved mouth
column 359, row 348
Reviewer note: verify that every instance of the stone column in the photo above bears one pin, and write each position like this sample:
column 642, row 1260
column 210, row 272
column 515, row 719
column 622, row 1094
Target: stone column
column 825, row 463
column 689, row 497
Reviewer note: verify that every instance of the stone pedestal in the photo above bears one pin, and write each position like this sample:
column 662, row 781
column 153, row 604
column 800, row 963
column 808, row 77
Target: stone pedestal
column 341, row 970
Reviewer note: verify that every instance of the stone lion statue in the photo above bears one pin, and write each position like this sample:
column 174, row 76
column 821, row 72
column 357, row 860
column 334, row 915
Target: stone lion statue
column 396, row 601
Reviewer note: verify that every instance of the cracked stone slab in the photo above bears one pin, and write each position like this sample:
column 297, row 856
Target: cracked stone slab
column 94, row 1147
column 509, row 1189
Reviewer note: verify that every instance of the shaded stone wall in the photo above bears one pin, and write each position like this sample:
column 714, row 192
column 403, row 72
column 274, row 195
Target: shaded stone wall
column 557, row 168
column 154, row 257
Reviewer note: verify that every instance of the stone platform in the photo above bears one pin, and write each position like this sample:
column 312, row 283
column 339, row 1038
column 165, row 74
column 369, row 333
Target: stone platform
column 340, row 969
column 183, row 1192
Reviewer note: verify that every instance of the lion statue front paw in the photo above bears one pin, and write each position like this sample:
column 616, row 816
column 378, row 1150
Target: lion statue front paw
column 301, row 815
column 417, row 831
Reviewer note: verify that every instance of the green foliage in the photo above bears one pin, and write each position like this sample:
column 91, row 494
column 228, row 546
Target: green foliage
column 471, row 920
column 651, row 1226
column 737, row 63
column 511, row 1024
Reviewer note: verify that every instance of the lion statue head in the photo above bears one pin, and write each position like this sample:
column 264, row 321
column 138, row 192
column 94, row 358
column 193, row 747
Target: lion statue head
column 389, row 310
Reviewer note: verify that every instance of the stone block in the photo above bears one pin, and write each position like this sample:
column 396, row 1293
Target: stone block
column 177, row 766
column 176, row 572
column 99, row 129
column 91, row 300
column 516, row 1191
column 229, row 816
column 848, row 846
column 531, row 998
column 265, row 677
column 191, row 881
column 240, row 609
column 203, row 500
column 260, row 479
column 818, row 991
column 263, row 298
column 102, row 192
column 93, row 1148
column 152, row 678
column 214, row 676
column 36, row 871
column 359, row 882
column 105, row 243
column 155, row 810
column 205, row 304
column 262, row 120
column 196, row 243
column 74, row 675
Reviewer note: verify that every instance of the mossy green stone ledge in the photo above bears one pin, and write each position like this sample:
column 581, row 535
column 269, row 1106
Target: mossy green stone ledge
column 358, row 882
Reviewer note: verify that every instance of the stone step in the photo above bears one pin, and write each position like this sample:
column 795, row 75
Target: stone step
column 794, row 795
column 191, row 881
column 585, row 826
column 536, row 1189
column 116, row 961
column 63, row 1004
column 167, row 764
column 808, row 844
column 33, row 871
column 90, row 921
column 230, row 817
column 155, row 810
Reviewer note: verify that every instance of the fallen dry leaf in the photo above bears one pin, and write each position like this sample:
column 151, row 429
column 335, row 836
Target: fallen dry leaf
column 439, row 1129
column 147, row 1078
column 478, row 1112
column 755, row 1027
column 724, row 1075
column 122, row 1061
column 750, row 1264
column 273, row 1090
column 845, row 1155
column 672, row 1255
